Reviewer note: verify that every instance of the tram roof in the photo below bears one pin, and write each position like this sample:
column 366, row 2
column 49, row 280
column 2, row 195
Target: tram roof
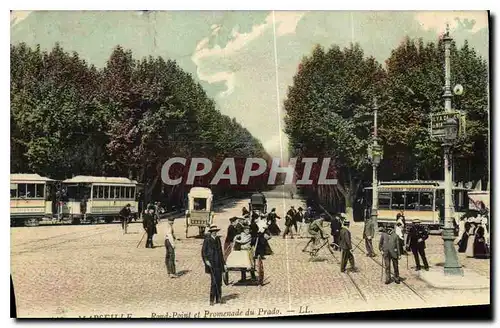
column 414, row 185
column 106, row 180
column 28, row 177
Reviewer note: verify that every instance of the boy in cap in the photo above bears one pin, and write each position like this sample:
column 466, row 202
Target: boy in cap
column 170, row 254
column 243, row 241
column 215, row 264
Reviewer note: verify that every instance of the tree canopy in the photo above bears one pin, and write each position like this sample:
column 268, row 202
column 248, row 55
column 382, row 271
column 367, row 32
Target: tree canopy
column 126, row 119
column 329, row 113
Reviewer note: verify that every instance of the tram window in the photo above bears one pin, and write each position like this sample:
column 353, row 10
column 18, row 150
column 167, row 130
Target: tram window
column 127, row 193
column 411, row 199
column 132, row 192
column 122, row 192
column 106, row 191
column 115, row 192
column 22, row 190
column 398, row 201
column 101, row 191
column 426, row 201
column 13, row 190
column 39, row 190
column 384, row 200
column 95, row 192
column 200, row 204
column 30, row 191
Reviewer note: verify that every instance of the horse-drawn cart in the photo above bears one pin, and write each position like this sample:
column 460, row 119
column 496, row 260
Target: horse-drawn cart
column 258, row 203
column 244, row 260
column 199, row 213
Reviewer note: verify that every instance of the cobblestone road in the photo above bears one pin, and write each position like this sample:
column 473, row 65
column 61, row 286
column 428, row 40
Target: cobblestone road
column 72, row 271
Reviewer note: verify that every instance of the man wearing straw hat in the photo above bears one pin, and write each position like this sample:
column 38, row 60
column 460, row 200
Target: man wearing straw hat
column 215, row 265
column 170, row 253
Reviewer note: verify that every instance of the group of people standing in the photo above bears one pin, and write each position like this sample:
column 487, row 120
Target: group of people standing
column 475, row 237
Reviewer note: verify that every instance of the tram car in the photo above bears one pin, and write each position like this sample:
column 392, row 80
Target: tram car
column 417, row 199
column 87, row 198
column 199, row 213
column 31, row 199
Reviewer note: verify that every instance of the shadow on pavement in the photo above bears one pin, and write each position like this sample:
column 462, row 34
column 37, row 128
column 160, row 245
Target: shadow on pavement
column 230, row 297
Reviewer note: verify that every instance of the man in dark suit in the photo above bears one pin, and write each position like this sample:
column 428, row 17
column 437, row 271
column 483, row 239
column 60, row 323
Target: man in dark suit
column 346, row 247
column 215, row 265
column 416, row 242
column 389, row 247
column 149, row 224
column 335, row 227
column 369, row 234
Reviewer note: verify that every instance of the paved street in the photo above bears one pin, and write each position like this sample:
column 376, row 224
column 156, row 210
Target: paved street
column 72, row 271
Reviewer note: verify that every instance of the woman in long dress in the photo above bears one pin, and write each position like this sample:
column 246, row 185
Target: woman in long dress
column 469, row 251
column 480, row 247
column 462, row 244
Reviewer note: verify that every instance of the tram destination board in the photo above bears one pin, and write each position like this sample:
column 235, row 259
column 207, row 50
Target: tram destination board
column 438, row 119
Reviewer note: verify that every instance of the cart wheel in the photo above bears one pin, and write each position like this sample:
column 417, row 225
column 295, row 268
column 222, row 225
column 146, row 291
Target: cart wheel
column 260, row 271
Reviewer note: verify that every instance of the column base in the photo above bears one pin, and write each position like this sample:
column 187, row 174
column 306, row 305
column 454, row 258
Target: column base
column 469, row 279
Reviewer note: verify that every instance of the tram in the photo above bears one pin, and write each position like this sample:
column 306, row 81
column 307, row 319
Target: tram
column 88, row 198
column 31, row 199
column 416, row 199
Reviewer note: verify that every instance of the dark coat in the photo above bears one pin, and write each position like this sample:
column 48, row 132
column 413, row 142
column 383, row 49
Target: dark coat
column 231, row 233
column 389, row 244
column 125, row 212
column 335, row 226
column 415, row 233
column 345, row 239
column 211, row 251
column 149, row 224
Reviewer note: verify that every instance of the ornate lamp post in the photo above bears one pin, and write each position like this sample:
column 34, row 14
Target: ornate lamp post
column 375, row 154
column 450, row 127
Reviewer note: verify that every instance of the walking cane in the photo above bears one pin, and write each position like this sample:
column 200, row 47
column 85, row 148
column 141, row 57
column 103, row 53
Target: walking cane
column 140, row 241
column 382, row 273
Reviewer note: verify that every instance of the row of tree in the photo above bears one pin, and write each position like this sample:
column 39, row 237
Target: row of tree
column 329, row 112
column 70, row 118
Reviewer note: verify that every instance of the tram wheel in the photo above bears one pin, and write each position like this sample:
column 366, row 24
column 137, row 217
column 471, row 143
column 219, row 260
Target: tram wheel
column 75, row 221
column 31, row 222
column 108, row 219
column 260, row 271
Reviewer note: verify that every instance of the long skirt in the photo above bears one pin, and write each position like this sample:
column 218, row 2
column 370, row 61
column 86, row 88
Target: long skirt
column 481, row 250
column 469, row 252
column 462, row 244
column 274, row 229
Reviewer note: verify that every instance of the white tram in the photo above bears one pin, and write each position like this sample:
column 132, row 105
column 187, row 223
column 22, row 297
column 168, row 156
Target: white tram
column 89, row 198
column 31, row 199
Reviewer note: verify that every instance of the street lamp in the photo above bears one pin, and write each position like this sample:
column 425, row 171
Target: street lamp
column 375, row 154
column 450, row 129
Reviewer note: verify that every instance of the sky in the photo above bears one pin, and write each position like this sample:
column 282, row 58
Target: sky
column 245, row 60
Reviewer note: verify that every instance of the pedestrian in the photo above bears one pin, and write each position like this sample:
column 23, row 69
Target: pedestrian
column 400, row 231
column 462, row 244
column 170, row 254
column 299, row 219
column 293, row 214
column 213, row 258
column 149, row 225
column 346, row 247
column 288, row 226
column 415, row 241
column 481, row 249
column 335, row 227
column 125, row 213
column 244, row 212
column 231, row 233
column 368, row 235
column 469, row 251
column 316, row 232
column 261, row 245
column 272, row 223
column 389, row 247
